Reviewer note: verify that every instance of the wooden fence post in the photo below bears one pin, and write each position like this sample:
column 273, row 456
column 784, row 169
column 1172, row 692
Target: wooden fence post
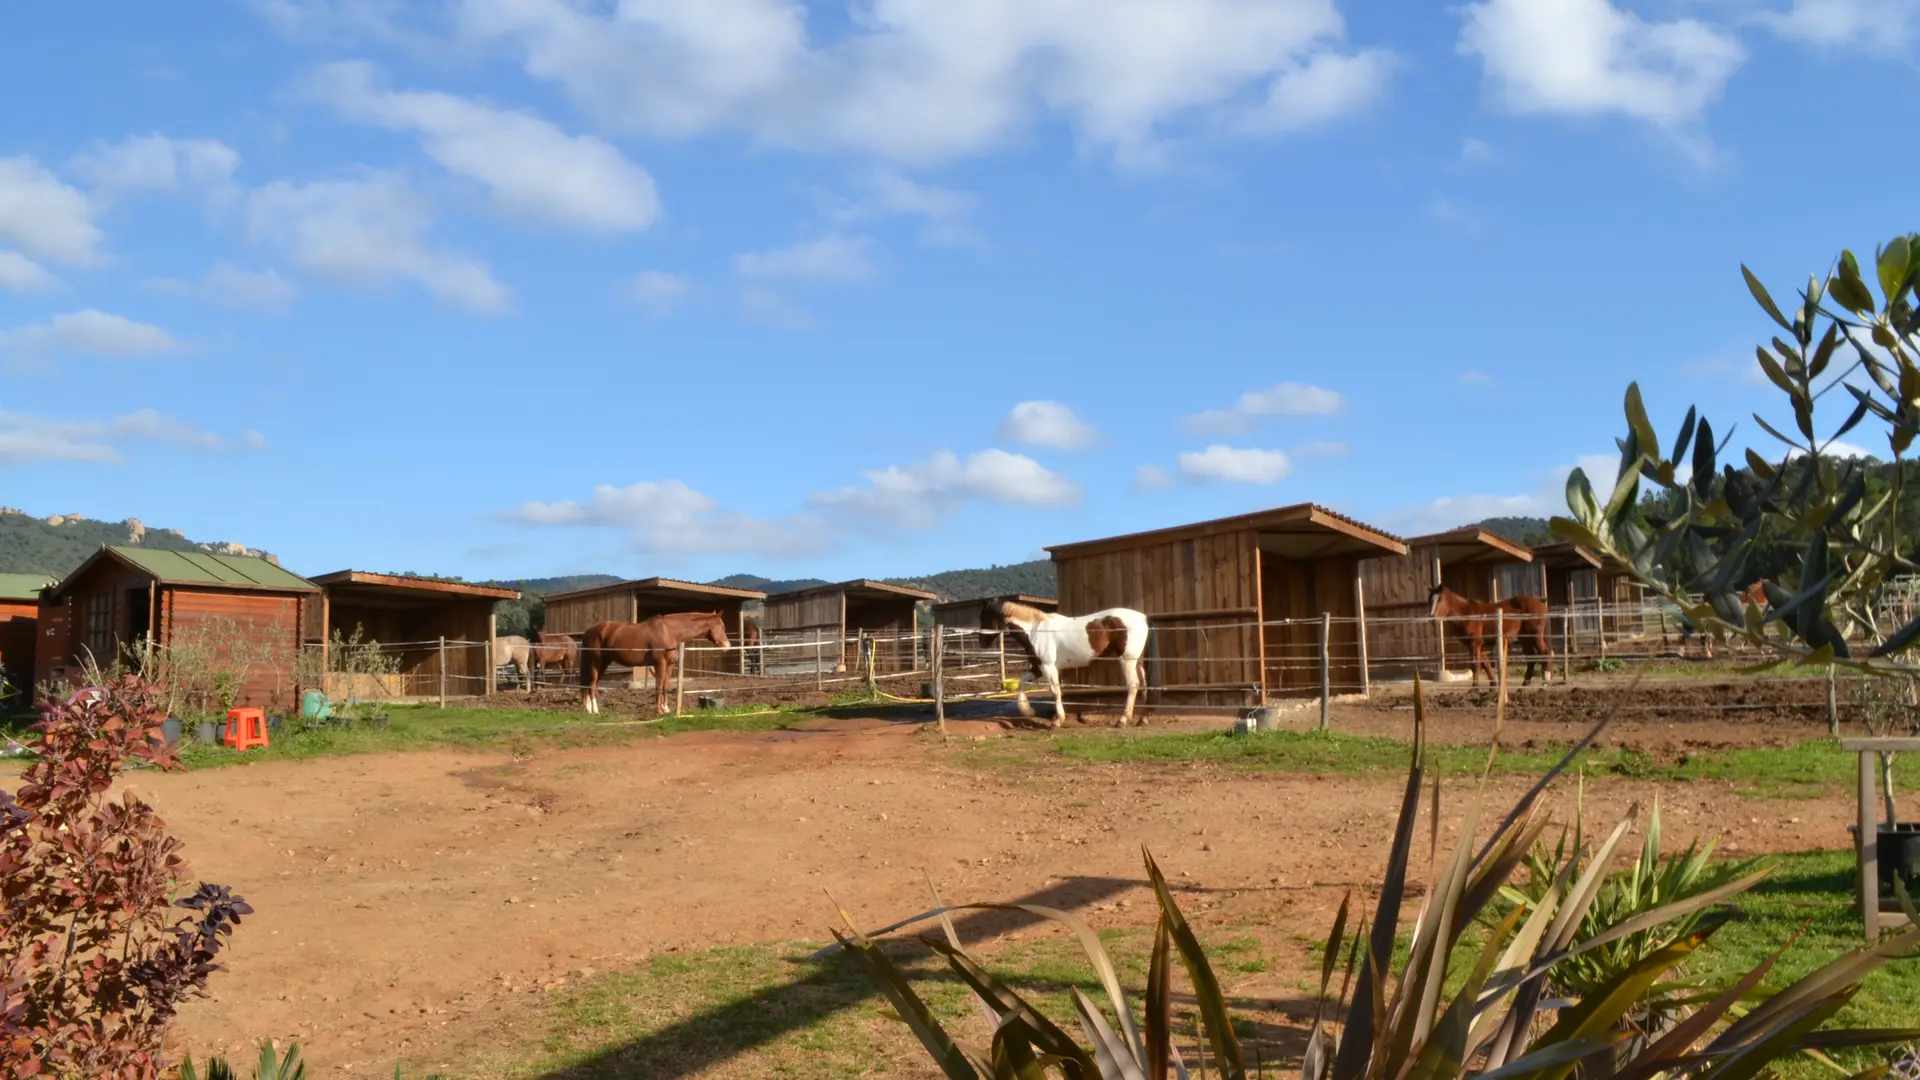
column 1326, row 675
column 1440, row 636
column 1833, row 704
column 1566, row 644
column 493, row 635
column 937, row 657
column 868, row 647
column 1360, row 632
column 443, row 671
column 1500, row 649
column 679, row 678
column 819, row 659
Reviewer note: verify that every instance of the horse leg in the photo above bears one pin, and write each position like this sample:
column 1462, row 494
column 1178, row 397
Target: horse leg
column 1059, row 702
column 591, row 677
column 1020, row 701
column 1128, row 669
column 662, row 674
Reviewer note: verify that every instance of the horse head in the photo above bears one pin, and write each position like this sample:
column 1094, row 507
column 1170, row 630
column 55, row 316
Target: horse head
column 717, row 630
column 992, row 623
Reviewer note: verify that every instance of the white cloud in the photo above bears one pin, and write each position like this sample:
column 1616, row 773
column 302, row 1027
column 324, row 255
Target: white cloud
column 1475, row 151
column 90, row 333
column 1880, row 26
column 535, row 170
column 156, row 163
column 770, row 307
column 919, row 496
column 1285, row 399
column 1151, row 478
column 1547, row 500
column 943, row 211
column 1473, row 378
column 1588, row 57
column 43, row 216
column 1235, row 465
column 830, row 258
column 1320, row 449
column 1328, row 86
column 26, row 438
column 369, row 229
column 1047, row 423
column 659, row 291
column 932, row 80
column 1838, row 449
column 669, row 518
column 21, row 274
column 234, row 287
column 1448, row 212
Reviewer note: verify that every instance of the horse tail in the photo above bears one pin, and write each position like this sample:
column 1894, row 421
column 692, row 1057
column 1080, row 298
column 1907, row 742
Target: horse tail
column 589, row 653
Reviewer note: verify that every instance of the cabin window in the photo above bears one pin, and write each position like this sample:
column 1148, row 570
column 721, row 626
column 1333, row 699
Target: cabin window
column 99, row 640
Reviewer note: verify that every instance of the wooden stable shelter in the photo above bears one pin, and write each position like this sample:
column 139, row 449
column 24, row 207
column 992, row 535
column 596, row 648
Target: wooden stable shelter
column 440, row 632
column 126, row 602
column 801, row 628
column 965, row 614
column 1235, row 603
column 570, row 613
column 19, row 631
column 1602, row 601
column 1471, row 561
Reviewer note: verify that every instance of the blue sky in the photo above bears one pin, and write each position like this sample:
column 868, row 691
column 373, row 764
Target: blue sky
column 519, row 287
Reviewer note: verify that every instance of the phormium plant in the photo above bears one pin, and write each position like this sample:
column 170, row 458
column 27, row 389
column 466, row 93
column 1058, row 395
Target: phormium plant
column 92, row 966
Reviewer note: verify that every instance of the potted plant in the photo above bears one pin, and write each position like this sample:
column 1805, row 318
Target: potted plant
column 1889, row 706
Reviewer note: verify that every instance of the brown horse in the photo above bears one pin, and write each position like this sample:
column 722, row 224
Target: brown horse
column 652, row 642
column 1754, row 595
column 1525, row 619
column 547, row 650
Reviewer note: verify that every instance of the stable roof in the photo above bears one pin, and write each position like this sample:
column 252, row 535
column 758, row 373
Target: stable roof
column 864, row 588
column 1465, row 547
column 1566, row 553
column 245, row 572
column 24, row 586
column 410, row 586
column 1047, row 603
column 1302, row 531
column 663, row 585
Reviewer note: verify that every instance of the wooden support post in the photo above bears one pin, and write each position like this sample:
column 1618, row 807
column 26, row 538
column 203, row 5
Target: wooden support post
column 1326, row 674
column 1002, row 636
column 1566, row 645
column 936, row 651
column 869, row 646
column 1833, row 704
column 1500, row 649
column 153, row 613
column 819, row 661
column 1867, row 842
column 679, row 678
column 1360, row 628
column 493, row 635
column 1440, row 637
column 443, row 671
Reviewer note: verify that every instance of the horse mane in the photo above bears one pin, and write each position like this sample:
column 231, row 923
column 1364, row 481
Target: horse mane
column 1013, row 609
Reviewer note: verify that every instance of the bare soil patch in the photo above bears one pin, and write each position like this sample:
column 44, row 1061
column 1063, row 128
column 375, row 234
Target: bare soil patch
column 411, row 906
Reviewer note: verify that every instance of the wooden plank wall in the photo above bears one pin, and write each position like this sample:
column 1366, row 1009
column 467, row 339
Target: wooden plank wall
column 1297, row 590
column 53, row 652
column 1400, row 633
column 1521, row 579
column 19, row 635
column 890, row 622
column 572, row 615
column 416, row 632
column 820, row 610
column 269, row 621
column 1201, row 597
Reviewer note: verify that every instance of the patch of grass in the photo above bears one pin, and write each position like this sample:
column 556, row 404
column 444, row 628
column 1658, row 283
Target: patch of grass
column 415, row 727
column 1807, row 770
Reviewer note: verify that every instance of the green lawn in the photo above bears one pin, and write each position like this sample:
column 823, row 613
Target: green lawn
column 412, row 727
column 766, row 1010
column 1809, row 769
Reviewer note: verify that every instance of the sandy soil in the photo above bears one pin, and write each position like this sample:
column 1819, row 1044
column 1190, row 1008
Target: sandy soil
column 407, row 903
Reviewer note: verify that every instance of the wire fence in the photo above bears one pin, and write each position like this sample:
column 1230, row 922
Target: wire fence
column 1225, row 664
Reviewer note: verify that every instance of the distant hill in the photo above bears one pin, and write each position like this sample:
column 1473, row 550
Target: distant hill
column 1034, row 577
column 59, row 543
column 547, row 586
column 1526, row 531
column 767, row 585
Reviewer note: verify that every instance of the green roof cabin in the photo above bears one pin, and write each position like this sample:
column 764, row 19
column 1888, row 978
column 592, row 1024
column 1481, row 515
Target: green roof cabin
column 19, row 631
column 127, row 602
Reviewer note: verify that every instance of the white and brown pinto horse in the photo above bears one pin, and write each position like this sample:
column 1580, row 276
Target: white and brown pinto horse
column 1054, row 643
column 652, row 642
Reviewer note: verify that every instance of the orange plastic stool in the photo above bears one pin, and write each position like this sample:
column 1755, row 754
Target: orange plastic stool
column 246, row 728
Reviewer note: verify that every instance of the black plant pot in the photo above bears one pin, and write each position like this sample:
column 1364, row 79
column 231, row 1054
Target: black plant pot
column 207, row 732
column 170, row 727
column 1899, row 851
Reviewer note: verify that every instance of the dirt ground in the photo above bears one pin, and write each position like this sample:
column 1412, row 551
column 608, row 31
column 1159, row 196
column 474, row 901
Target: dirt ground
column 407, row 904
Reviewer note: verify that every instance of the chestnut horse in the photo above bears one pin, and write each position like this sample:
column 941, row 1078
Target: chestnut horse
column 1053, row 642
column 1525, row 618
column 550, row 651
column 1754, row 595
column 652, row 642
